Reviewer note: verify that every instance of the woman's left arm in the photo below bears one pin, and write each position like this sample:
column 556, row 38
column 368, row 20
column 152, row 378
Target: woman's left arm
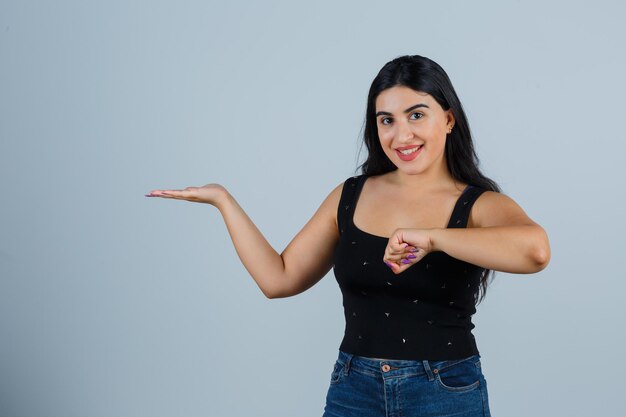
column 499, row 236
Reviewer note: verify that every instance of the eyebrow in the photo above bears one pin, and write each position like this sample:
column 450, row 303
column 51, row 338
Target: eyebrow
column 380, row 113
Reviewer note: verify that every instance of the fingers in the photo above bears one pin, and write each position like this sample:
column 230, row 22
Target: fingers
column 209, row 194
column 396, row 252
column 186, row 194
column 161, row 193
column 398, row 268
column 399, row 257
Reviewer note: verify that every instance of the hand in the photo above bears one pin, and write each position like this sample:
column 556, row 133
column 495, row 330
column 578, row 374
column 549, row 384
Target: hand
column 210, row 193
column 406, row 247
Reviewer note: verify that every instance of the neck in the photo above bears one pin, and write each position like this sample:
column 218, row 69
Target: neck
column 432, row 179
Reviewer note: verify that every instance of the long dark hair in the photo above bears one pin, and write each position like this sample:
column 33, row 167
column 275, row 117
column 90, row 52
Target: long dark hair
column 424, row 75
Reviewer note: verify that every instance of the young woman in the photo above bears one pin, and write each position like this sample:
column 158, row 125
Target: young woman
column 412, row 242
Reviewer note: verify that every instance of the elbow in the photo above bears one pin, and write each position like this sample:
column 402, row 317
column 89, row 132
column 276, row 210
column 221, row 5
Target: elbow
column 540, row 254
column 267, row 291
column 269, row 294
column 540, row 259
column 272, row 296
column 274, row 293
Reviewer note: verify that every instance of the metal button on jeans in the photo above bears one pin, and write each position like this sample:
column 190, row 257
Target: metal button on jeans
column 386, row 368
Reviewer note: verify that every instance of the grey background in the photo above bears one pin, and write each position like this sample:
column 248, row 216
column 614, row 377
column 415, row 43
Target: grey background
column 113, row 304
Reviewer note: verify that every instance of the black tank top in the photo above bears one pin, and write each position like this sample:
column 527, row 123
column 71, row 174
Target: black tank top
column 424, row 312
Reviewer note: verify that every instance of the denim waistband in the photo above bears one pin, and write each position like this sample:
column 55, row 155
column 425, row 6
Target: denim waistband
column 388, row 368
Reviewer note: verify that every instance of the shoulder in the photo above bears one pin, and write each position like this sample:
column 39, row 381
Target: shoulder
column 496, row 209
column 333, row 199
column 335, row 193
column 348, row 184
column 355, row 179
column 331, row 203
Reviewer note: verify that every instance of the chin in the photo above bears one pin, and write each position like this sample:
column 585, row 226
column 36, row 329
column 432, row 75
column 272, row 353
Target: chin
column 410, row 171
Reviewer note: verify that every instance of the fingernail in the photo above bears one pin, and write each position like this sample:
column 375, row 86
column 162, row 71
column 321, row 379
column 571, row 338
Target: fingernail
column 411, row 256
column 414, row 250
column 406, row 261
column 388, row 264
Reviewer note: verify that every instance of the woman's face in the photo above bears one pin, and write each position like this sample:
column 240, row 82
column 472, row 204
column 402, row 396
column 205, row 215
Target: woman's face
column 412, row 128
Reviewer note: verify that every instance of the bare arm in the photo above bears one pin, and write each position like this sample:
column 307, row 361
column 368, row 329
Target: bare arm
column 501, row 237
column 306, row 259
column 516, row 249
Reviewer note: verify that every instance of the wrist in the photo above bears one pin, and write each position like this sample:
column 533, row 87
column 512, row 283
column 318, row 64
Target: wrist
column 434, row 236
column 224, row 200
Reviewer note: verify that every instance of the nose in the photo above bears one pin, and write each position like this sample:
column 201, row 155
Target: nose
column 405, row 133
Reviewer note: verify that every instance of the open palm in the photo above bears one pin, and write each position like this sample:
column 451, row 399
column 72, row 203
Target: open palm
column 209, row 194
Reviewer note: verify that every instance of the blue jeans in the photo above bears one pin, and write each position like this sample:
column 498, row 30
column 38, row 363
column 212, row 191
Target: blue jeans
column 367, row 387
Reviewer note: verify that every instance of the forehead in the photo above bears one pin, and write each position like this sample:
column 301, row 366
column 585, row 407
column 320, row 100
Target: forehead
column 398, row 98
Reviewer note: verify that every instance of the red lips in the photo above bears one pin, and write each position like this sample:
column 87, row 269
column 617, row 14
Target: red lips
column 410, row 156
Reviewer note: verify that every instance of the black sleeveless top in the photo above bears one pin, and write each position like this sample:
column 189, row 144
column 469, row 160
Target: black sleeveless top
column 422, row 313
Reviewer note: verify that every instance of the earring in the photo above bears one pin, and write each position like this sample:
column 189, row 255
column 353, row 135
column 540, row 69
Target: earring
column 450, row 129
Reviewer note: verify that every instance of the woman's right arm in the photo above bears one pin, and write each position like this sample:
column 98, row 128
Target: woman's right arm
column 305, row 260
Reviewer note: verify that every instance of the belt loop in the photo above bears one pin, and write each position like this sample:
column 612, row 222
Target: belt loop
column 431, row 377
column 346, row 368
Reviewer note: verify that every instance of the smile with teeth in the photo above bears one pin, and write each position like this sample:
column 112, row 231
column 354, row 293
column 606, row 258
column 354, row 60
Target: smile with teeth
column 410, row 151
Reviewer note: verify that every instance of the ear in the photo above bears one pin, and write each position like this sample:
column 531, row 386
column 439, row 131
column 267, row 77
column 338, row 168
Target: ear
column 450, row 120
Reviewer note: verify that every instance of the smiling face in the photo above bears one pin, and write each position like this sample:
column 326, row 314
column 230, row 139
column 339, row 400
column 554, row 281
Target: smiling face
column 412, row 128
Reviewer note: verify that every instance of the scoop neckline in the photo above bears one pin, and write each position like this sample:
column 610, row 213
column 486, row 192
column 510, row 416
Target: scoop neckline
column 358, row 194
